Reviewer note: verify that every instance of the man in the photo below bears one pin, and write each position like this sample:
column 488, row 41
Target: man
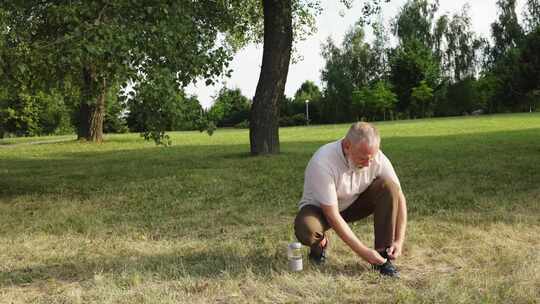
column 348, row 180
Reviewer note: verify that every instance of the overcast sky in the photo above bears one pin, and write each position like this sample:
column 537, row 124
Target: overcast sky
column 334, row 21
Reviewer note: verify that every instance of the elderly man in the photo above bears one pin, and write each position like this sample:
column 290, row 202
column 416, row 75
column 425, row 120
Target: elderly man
column 348, row 180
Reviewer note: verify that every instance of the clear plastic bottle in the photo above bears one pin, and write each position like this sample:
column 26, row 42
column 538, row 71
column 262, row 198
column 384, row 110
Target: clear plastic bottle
column 294, row 254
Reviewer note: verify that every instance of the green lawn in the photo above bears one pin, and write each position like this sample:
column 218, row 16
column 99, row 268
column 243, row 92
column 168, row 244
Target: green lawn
column 202, row 221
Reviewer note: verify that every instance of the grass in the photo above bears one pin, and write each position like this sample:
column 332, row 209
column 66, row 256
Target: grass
column 203, row 222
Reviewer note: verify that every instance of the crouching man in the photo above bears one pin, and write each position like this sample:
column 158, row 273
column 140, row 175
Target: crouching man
column 348, row 180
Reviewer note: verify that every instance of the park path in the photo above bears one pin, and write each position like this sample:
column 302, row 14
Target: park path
column 38, row 142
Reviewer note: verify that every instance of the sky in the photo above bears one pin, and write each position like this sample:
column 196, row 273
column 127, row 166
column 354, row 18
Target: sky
column 334, row 22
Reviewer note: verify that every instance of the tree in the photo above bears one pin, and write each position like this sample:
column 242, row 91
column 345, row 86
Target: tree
column 193, row 116
column 487, row 86
column 347, row 69
column 230, row 108
column 308, row 91
column 379, row 67
column 458, row 50
column 421, row 96
column 278, row 36
column 416, row 57
column 462, row 47
column 18, row 116
column 503, row 62
column 361, row 103
column 506, row 31
column 338, row 86
column 383, row 98
column 440, row 51
column 352, row 72
column 527, row 79
column 409, row 65
column 533, row 98
column 414, row 22
column 92, row 45
column 374, row 102
column 37, row 114
column 357, row 55
column 515, row 57
column 531, row 15
column 157, row 105
column 115, row 107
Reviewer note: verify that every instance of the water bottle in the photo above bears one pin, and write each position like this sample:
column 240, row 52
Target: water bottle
column 294, row 254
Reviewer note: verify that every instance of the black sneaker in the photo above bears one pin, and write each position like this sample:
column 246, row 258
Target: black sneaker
column 387, row 269
column 319, row 257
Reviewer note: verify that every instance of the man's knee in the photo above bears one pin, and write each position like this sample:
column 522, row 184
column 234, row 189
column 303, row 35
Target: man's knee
column 309, row 226
column 386, row 186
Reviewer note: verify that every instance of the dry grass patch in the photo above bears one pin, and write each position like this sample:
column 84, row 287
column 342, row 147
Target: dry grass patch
column 443, row 262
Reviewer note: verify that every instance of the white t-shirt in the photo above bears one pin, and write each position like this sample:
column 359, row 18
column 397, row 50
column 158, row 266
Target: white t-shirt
column 330, row 180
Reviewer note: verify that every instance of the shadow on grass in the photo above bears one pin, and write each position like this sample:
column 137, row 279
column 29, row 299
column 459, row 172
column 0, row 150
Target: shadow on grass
column 203, row 264
column 165, row 267
column 461, row 173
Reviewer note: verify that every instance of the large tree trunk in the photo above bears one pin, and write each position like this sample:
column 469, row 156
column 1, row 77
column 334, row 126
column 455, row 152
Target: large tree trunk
column 264, row 116
column 92, row 108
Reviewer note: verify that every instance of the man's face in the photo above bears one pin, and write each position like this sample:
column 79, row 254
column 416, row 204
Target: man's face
column 361, row 154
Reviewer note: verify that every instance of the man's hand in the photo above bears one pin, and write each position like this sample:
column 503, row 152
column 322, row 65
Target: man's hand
column 343, row 230
column 394, row 251
column 373, row 257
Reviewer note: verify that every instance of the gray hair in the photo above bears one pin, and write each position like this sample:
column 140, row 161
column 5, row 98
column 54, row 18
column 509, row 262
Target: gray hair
column 363, row 132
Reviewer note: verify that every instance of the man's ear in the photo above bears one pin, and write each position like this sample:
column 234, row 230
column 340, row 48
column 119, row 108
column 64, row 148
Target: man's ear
column 346, row 145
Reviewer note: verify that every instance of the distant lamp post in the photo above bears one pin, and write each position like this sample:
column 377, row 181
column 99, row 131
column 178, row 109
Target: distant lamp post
column 307, row 112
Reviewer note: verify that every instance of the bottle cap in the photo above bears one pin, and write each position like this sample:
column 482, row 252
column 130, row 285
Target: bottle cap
column 295, row 245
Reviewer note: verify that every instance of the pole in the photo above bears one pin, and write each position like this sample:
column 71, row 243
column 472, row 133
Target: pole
column 307, row 112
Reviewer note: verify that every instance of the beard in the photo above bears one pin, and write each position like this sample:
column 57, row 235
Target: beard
column 353, row 165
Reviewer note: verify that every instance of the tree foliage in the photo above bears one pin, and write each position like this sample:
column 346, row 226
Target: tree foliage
column 414, row 22
column 347, row 69
column 410, row 64
column 292, row 109
column 157, row 105
column 421, row 96
column 531, row 15
column 507, row 33
column 92, row 45
column 230, row 108
column 61, row 60
column 375, row 102
column 460, row 56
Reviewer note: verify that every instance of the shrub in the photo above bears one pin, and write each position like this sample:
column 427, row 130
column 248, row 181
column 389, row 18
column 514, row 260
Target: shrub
column 285, row 121
column 242, row 125
column 299, row 119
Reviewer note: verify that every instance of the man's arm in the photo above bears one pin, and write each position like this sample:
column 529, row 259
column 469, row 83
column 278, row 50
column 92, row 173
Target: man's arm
column 336, row 221
column 401, row 226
